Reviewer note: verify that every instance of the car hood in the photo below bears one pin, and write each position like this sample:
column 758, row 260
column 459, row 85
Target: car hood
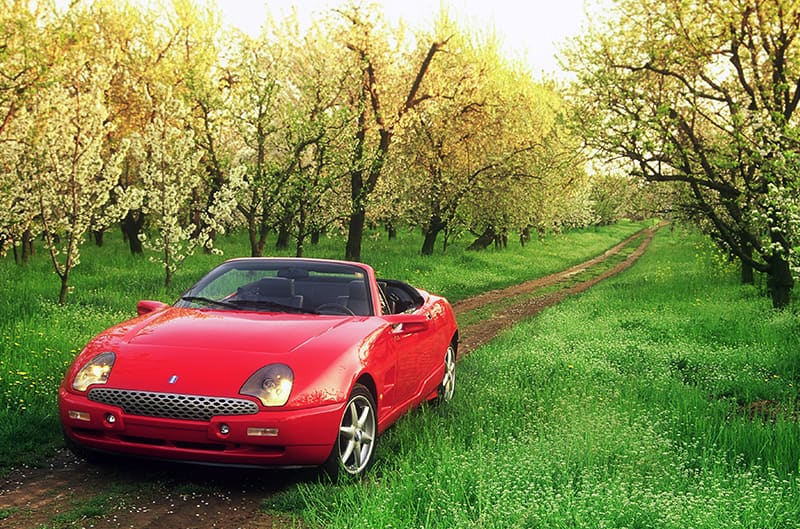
column 231, row 331
column 213, row 352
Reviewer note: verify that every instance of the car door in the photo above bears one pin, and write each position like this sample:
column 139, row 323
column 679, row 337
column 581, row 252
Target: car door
column 415, row 341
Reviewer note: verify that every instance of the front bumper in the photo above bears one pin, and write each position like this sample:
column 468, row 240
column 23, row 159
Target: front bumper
column 267, row 438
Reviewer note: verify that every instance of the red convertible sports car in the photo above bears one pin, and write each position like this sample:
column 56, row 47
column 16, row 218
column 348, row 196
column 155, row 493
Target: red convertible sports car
column 263, row 362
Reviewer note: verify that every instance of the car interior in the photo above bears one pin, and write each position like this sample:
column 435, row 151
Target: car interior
column 325, row 290
column 309, row 293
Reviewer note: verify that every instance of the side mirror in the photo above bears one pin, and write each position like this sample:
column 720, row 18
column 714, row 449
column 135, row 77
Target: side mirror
column 146, row 306
column 408, row 323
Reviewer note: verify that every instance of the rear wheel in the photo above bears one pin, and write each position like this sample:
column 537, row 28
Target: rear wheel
column 448, row 385
column 354, row 450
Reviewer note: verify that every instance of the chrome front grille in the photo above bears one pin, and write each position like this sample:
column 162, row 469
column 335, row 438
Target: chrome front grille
column 172, row 405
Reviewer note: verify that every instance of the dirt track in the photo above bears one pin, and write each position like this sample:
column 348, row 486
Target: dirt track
column 475, row 335
column 165, row 497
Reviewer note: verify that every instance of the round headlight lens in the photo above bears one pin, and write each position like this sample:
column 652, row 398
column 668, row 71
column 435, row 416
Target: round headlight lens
column 96, row 371
column 271, row 385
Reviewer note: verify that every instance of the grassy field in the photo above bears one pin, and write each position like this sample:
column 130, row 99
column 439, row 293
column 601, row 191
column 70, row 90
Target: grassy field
column 666, row 397
column 39, row 338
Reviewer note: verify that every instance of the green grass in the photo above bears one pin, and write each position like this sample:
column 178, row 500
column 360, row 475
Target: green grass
column 39, row 338
column 666, row 397
column 626, row 406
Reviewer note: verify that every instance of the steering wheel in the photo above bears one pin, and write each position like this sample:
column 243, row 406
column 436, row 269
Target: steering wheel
column 337, row 308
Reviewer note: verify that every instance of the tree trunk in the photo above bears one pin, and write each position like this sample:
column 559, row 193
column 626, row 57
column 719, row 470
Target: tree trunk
column 483, row 242
column 98, row 238
column 315, row 234
column 435, row 225
column 167, row 264
column 355, row 233
column 27, row 246
column 780, row 282
column 283, row 238
column 63, row 273
column 131, row 227
column 208, row 249
column 429, row 242
column 501, row 240
column 200, row 224
column 747, row 267
column 251, row 235
column 62, row 295
column 391, row 231
column 525, row 236
column 301, row 231
column 263, row 231
column 256, row 235
column 748, row 277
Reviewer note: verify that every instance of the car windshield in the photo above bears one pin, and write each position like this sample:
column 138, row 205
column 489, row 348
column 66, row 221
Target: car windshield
column 283, row 285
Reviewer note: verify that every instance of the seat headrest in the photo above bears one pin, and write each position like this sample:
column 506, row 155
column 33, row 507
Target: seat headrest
column 293, row 273
column 276, row 287
column 357, row 290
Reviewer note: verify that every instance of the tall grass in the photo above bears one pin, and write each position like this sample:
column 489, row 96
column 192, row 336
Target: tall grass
column 39, row 338
column 629, row 406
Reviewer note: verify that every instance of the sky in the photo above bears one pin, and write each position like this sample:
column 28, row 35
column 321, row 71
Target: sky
column 530, row 30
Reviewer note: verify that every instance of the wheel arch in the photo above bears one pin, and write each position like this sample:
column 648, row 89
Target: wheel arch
column 367, row 381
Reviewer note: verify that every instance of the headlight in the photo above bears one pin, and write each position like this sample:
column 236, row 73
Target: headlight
column 270, row 384
column 96, row 371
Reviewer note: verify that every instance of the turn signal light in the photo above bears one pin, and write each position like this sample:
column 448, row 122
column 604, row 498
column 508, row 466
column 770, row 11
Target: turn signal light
column 79, row 415
column 262, row 432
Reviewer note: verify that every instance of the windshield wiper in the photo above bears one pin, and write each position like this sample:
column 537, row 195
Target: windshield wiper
column 209, row 301
column 266, row 303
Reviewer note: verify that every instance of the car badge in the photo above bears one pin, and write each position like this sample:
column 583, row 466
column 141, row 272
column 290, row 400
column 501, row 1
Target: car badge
column 173, row 379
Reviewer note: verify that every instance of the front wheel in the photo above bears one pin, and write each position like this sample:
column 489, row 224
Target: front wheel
column 354, row 450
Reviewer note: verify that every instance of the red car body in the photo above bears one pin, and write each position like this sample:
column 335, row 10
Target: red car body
column 184, row 383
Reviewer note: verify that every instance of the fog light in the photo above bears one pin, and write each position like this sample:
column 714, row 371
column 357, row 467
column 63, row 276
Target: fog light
column 262, row 432
column 110, row 418
column 224, row 429
column 79, row 415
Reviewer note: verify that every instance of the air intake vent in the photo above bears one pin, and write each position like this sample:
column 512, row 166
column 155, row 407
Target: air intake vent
column 172, row 405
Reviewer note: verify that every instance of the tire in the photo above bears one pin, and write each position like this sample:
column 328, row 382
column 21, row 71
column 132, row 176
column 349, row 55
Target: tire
column 447, row 387
column 353, row 452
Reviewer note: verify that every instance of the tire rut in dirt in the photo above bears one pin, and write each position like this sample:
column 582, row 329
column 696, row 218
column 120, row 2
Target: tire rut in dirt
column 143, row 495
column 474, row 335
